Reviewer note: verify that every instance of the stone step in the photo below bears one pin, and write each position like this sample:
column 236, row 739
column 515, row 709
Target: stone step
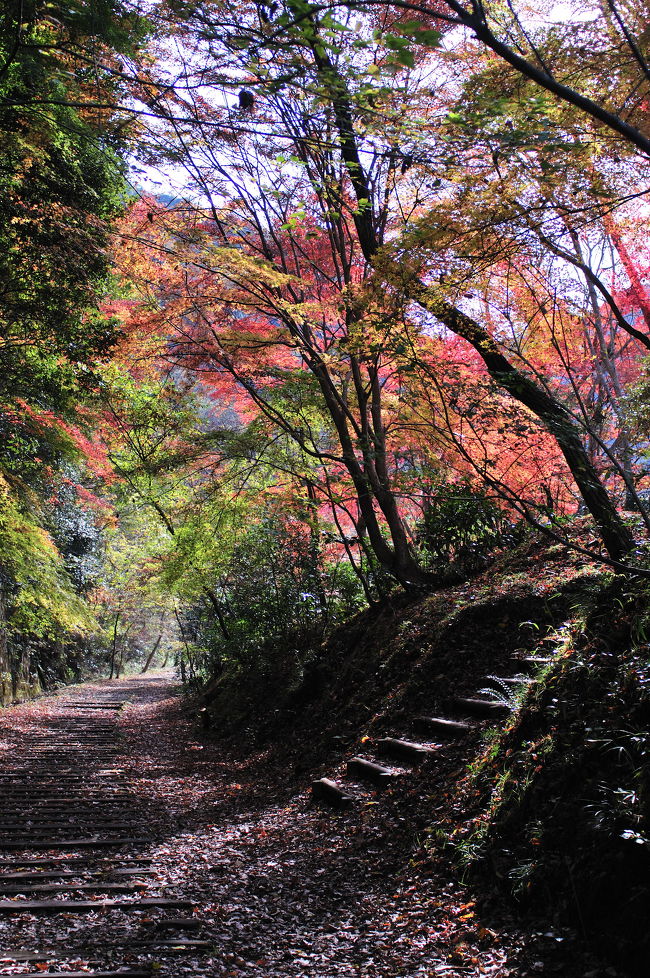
column 404, row 749
column 65, row 797
column 74, row 728
column 130, row 861
column 94, row 705
column 79, row 731
column 106, row 753
column 378, row 775
column 87, row 824
column 332, row 793
column 31, row 784
column 21, row 955
column 70, row 792
column 89, row 797
column 47, row 789
column 41, row 777
column 443, row 728
column 50, row 773
column 64, row 738
column 89, row 790
column 178, row 923
column 41, row 821
column 88, row 906
column 88, row 805
column 35, row 811
column 475, row 706
column 175, row 947
column 74, row 740
column 59, row 750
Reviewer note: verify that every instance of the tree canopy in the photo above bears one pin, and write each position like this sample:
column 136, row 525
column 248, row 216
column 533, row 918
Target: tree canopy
column 364, row 283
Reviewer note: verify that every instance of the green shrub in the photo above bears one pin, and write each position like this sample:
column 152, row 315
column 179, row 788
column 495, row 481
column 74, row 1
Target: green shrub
column 279, row 602
column 462, row 525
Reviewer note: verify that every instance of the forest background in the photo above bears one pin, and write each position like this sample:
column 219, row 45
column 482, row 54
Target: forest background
column 311, row 313
column 393, row 314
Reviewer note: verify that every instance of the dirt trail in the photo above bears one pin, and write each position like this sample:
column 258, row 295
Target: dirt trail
column 128, row 845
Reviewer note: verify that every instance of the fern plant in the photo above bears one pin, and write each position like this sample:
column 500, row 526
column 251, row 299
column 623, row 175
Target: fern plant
column 506, row 693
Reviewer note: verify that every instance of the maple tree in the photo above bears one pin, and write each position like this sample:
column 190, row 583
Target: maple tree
column 388, row 311
column 571, row 53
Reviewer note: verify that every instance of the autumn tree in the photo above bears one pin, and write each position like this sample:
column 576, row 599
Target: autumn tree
column 573, row 56
column 316, row 182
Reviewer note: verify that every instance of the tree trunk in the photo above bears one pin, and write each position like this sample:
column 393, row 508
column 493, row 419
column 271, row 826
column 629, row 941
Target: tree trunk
column 187, row 648
column 152, row 653
column 5, row 681
column 397, row 560
column 114, row 650
column 216, row 604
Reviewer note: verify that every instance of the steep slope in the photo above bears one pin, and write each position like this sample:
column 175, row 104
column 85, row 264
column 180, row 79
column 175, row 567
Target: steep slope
column 546, row 801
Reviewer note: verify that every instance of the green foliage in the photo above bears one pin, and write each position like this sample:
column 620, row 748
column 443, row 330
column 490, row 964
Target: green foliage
column 40, row 598
column 62, row 183
column 462, row 525
column 637, row 407
column 61, row 175
column 279, row 601
column 506, row 693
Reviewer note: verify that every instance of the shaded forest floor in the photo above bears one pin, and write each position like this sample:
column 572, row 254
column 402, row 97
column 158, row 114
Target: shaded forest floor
column 279, row 887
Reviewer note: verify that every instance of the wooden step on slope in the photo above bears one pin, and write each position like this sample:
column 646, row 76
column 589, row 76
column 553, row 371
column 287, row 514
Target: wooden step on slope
column 61, row 887
column 88, row 906
column 405, row 750
column 86, row 974
column 365, row 770
column 329, row 791
column 443, row 728
column 25, row 845
column 477, row 707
